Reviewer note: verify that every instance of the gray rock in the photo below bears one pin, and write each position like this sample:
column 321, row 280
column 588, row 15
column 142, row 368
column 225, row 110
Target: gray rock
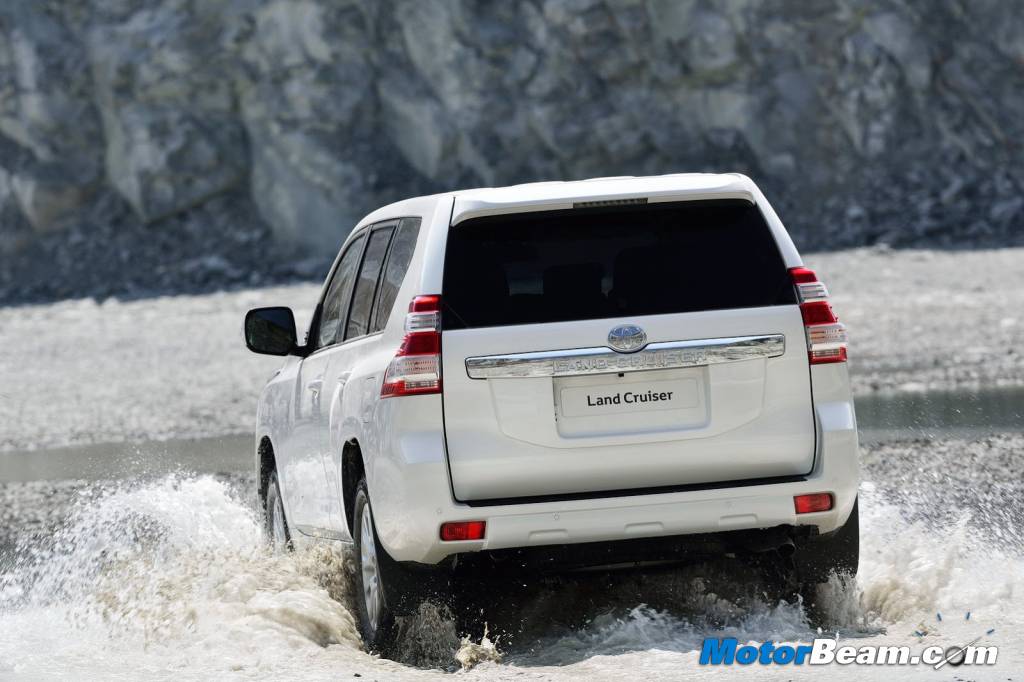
column 164, row 87
column 309, row 107
column 49, row 127
column 294, row 118
column 46, row 92
column 899, row 37
column 48, row 201
column 15, row 232
column 1006, row 210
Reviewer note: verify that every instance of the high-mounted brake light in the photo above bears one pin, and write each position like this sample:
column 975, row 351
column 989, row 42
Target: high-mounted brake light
column 826, row 335
column 416, row 367
column 463, row 530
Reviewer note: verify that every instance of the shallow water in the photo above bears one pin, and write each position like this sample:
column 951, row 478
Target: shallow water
column 880, row 417
column 940, row 414
column 161, row 575
column 105, row 461
column 171, row 579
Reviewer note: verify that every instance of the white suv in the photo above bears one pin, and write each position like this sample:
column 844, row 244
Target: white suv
column 614, row 371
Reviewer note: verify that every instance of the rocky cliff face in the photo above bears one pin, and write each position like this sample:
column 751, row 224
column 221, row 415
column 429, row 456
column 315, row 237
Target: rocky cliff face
column 163, row 135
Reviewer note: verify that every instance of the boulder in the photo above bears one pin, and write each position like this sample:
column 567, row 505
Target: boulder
column 163, row 82
column 49, row 128
column 309, row 106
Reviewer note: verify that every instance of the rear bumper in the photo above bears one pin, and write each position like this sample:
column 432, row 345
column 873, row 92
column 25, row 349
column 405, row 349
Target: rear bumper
column 635, row 552
column 413, row 497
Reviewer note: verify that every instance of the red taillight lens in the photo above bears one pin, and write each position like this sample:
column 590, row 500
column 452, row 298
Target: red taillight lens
column 416, row 367
column 421, row 343
column 463, row 530
column 817, row 312
column 802, row 275
column 826, row 336
column 425, row 304
column 815, row 502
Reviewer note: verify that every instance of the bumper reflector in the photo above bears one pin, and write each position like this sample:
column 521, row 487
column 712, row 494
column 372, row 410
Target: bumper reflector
column 815, row 502
column 463, row 530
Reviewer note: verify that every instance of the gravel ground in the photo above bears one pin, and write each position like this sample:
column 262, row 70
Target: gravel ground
column 929, row 320
column 982, row 475
column 81, row 372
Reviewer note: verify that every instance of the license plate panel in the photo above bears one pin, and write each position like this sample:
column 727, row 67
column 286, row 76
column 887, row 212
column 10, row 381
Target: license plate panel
column 628, row 397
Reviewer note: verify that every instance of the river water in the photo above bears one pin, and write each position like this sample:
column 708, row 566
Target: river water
column 145, row 561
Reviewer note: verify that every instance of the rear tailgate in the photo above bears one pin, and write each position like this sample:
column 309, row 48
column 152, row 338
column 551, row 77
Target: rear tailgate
column 536, row 401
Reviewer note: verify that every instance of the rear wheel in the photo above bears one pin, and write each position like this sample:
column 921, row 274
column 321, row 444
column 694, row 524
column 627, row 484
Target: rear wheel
column 375, row 592
column 385, row 590
column 274, row 521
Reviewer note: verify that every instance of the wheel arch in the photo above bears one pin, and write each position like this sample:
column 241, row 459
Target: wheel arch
column 266, row 463
column 353, row 469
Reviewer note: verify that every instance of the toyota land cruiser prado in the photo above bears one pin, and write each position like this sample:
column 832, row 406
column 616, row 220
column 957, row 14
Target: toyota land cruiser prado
column 556, row 376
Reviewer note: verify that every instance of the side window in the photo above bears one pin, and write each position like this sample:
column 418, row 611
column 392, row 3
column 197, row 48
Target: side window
column 402, row 247
column 338, row 294
column 366, row 285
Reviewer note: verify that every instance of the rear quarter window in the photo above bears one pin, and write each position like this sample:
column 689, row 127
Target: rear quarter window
column 628, row 261
column 402, row 247
column 366, row 284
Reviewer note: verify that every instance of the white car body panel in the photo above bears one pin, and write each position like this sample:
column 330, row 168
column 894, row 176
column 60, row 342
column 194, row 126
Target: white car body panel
column 799, row 424
column 747, row 419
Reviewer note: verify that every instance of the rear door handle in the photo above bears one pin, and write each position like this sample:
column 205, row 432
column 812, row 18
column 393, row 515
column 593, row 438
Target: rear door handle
column 343, row 377
column 314, row 386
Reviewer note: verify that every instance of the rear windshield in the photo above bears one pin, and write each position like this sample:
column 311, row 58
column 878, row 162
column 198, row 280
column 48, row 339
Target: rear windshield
column 617, row 262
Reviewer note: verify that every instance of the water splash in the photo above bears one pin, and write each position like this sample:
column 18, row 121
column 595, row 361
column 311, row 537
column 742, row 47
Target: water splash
column 428, row 638
column 175, row 567
column 172, row 578
column 472, row 654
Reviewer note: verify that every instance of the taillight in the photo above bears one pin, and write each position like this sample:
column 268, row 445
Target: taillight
column 463, row 530
column 826, row 336
column 815, row 502
column 416, row 367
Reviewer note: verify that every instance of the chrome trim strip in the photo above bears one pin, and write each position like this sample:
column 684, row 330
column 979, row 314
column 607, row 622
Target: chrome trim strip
column 664, row 355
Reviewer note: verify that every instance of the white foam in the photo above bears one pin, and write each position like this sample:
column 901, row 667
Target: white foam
column 171, row 579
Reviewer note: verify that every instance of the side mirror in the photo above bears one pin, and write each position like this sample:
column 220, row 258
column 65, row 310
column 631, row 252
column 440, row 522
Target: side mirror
column 270, row 331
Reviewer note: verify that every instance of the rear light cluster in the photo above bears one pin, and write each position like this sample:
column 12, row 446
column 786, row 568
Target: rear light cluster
column 814, row 502
column 463, row 530
column 416, row 367
column 826, row 336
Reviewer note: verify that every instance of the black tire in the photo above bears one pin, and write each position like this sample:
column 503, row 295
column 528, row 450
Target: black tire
column 402, row 589
column 377, row 625
column 837, row 553
column 275, row 523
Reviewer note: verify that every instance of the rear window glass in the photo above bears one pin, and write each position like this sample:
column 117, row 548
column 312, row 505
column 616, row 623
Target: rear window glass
column 618, row 262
